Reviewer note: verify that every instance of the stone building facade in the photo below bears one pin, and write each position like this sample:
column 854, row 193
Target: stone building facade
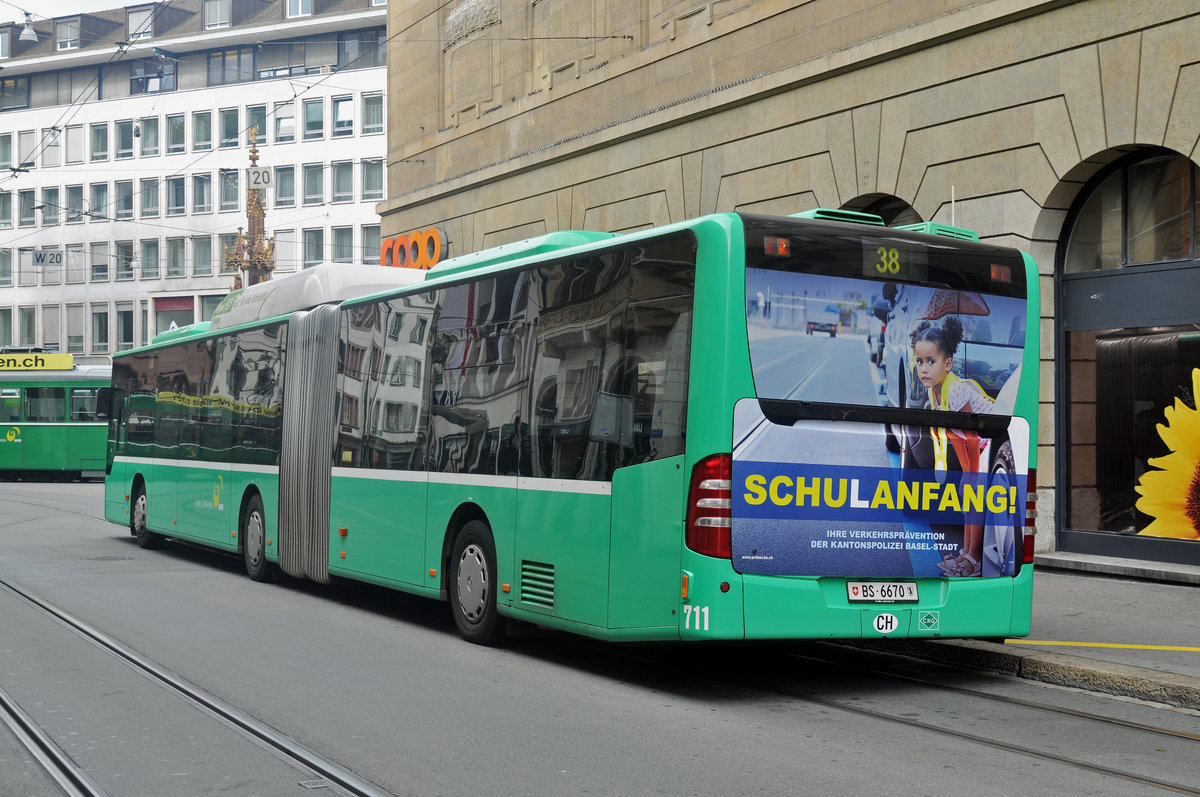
column 1065, row 129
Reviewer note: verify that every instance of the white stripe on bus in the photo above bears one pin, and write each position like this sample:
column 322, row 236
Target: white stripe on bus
column 179, row 463
column 479, row 480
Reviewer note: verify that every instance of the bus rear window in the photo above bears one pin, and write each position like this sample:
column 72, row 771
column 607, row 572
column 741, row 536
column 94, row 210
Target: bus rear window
column 834, row 313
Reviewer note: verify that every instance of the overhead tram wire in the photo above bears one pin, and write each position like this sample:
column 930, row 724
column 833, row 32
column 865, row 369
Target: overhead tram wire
column 85, row 96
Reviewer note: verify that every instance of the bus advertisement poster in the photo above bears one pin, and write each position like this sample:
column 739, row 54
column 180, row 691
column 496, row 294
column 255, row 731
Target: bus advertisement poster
column 801, row 508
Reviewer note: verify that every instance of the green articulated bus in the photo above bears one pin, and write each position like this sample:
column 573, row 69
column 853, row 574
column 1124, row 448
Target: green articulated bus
column 627, row 437
column 49, row 427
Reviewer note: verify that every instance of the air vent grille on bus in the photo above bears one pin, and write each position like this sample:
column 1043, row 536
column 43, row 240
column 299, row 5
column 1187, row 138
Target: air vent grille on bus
column 944, row 230
column 537, row 583
column 837, row 214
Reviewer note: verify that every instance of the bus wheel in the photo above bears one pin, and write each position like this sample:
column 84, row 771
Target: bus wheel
column 254, row 534
column 137, row 523
column 473, row 584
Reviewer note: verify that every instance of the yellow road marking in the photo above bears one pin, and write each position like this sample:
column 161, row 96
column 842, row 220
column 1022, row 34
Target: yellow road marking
column 1099, row 645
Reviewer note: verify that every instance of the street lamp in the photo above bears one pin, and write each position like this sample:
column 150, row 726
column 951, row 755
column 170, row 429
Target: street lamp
column 29, row 34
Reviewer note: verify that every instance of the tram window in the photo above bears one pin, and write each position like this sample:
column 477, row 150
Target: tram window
column 45, row 404
column 10, row 404
column 83, row 404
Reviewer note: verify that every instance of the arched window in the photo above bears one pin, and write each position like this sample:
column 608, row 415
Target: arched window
column 1128, row 350
column 1142, row 210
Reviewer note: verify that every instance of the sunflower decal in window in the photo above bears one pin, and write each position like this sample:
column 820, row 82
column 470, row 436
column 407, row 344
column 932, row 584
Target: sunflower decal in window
column 1171, row 494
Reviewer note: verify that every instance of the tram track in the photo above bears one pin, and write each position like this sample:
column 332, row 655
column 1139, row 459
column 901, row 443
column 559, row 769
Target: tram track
column 68, row 776
column 842, row 662
column 321, row 772
column 824, row 661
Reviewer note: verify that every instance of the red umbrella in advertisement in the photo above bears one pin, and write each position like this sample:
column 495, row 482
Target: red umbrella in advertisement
column 945, row 301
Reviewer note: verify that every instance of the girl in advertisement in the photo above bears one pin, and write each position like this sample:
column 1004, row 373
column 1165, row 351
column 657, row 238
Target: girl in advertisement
column 934, row 348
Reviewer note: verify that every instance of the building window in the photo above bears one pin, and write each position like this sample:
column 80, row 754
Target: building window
column 231, row 66
column 314, row 119
column 51, row 146
column 342, row 177
column 100, row 141
column 1132, row 364
column 26, row 149
column 6, row 218
column 149, row 192
column 75, row 328
column 74, row 204
column 372, row 113
column 372, row 179
column 285, row 186
column 370, row 244
column 202, row 255
column 285, row 121
column 66, row 34
column 99, row 209
column 124, row 326
column 216, row 14
column 285, row 250
column 176, row 196
column 202, row 130
column 76, row 145
column 51, row 330
column 362, row 48
column 26, row 202
column 314, row 184
column 5, row 150
column 150, row 258
column 229, row 189
column 175, row 260
column 5, row 44
column 229, row 127
column 343, row 116
column 176, row 134
column 124, row 260
column 1142, row 212
column 148, row 129
column 202, row 193
column 299, row 8
column 14, row 93
column 6, row 279
column 138, row 23
column 124, row 199
column 50, row 206
column 52, row 270
column 343, row 244
column 256, row 120
column 314, row 247
column 99, row 328
column 76, row 267
column 124, row 135
column 225, row 245
column 151, row 76
column 100, row 259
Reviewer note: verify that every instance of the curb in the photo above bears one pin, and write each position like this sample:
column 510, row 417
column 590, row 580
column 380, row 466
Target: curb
column 1092, row 675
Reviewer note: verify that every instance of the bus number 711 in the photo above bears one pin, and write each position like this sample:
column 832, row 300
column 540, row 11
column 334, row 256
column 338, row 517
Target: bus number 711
column 700, row 623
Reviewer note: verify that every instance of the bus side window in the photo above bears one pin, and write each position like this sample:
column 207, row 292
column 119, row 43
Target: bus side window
column 10, row 404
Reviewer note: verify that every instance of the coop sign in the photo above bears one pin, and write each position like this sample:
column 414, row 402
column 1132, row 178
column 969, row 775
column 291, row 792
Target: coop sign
column 421, row 250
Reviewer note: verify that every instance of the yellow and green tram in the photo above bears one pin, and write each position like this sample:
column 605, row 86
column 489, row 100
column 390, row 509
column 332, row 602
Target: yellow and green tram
column 49, row 427
column 628, row 437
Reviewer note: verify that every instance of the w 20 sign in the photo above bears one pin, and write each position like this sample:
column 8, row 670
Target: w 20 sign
column 258, row 177
column 43, row 258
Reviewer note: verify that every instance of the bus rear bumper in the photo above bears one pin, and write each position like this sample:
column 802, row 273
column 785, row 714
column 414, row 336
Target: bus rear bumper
column 819, row 608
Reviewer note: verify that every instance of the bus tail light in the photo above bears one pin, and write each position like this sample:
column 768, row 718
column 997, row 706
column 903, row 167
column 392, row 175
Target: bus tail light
column 1030, row 516
column 709, row 507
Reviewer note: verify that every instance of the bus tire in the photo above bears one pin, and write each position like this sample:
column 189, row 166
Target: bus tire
column 137, row 522
column 253, row 531
column 473, row 584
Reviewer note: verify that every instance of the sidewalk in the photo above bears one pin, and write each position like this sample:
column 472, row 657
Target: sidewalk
column 1124, row 627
